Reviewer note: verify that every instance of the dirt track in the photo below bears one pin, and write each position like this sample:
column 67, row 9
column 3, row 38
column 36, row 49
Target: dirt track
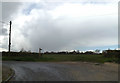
column 63, row 71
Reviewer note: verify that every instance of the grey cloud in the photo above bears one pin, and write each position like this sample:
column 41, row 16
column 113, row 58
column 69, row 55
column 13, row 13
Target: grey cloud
column 8, row 9
column 45, row 35
column 63, row 33
column 68, row 35
column 3, row 31
column 0, row 11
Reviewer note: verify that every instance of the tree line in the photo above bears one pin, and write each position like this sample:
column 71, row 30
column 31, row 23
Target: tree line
column 105, row 53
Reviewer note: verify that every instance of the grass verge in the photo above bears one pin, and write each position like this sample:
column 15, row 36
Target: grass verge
column 61, row 57
column 6, row 73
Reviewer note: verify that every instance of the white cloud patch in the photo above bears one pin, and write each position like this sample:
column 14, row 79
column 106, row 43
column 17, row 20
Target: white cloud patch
column 65, row 26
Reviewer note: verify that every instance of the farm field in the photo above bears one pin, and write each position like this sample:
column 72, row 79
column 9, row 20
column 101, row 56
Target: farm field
column 61, row 57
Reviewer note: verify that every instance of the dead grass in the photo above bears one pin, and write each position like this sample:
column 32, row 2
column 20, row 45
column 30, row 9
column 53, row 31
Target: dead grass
column 6, row 72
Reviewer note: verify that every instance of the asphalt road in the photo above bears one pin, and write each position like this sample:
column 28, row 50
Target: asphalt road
column 62, row 71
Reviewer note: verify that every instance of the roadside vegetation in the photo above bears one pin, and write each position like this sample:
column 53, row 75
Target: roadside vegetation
column 6, row 73
column 99, row 58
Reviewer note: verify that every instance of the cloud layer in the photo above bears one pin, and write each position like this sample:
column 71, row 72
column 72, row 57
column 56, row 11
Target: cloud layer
column 56, row 26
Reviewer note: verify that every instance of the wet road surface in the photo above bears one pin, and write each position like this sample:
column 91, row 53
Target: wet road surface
column 62, row 71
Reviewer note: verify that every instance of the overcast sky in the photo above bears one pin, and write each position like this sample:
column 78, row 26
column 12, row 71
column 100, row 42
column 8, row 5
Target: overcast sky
column 60, row 25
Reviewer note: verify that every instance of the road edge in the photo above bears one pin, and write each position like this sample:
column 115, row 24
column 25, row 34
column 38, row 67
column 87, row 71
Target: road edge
column 11, row 76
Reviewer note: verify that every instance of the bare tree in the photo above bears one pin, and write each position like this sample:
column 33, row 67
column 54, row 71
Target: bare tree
column 22, row 50
column 97, row 51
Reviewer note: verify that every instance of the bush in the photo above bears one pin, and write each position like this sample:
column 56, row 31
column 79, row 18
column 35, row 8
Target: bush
column 111, row 53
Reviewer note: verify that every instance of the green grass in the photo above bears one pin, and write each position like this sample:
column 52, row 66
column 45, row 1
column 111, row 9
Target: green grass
column 61, row 57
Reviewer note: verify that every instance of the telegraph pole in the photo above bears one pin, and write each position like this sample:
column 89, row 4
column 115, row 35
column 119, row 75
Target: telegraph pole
column 10, row 36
